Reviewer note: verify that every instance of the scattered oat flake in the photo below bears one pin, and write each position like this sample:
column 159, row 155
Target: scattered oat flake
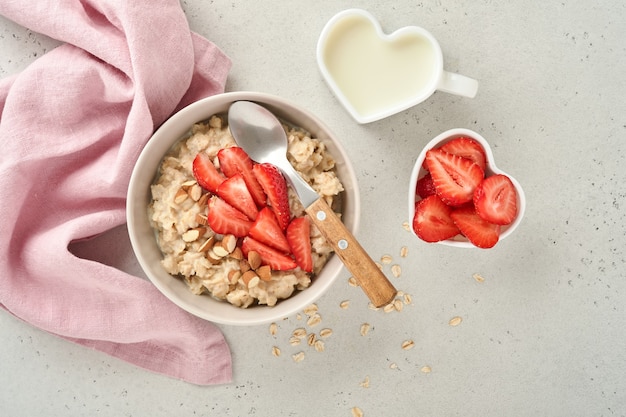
column 298, row 357
column 404, row 251
column 310, row 310
column 455, row 321
column 406, row 226
column 478, row 278
column 300, row 332
column 298, row 316
column 408, row 344
column 294, row 341
column 426, row 369
column 386, row 259
column 344, row 304
column 396, row 270
column 398, row 305
column 276, row 351
column 325, row 333
column 314, row 320
column 365, row 328
column 366, row 382
column 356, row 412
column 311, row 338
column 408, row 299
column 273, row 329
column 319, row 345
column 389, row 308
column 372, row 307
column 393, row 365
column 352, row 282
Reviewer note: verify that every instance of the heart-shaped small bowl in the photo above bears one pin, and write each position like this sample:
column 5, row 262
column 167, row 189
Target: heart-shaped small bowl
column 419, row 171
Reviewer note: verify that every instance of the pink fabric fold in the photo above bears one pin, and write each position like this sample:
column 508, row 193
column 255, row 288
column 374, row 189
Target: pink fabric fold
column 72, row 125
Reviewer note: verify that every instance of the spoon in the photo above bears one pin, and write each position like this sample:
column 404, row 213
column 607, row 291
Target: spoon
column 262, row 136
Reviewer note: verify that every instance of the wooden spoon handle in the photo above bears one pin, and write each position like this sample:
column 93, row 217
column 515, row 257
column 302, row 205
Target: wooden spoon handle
column 370, row 278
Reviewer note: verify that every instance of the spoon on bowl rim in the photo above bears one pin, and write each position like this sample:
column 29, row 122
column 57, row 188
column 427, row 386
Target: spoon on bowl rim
column 262, row 136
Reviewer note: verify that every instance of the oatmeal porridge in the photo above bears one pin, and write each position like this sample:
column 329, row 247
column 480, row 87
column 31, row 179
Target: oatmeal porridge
column 217, row 263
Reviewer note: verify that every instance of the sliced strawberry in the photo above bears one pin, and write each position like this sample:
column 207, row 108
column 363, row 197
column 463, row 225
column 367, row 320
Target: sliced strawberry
column 425, row 186
column 478, row 231
column 270, row 256
column 495, row 200
column 298, row 236
column 432, row 221
column 467, row 148
column 266, row 230
column 206, row 173
column 455, row 178
column 235, row 160
column 225, row 219
column 275, row 186
column 235, row 192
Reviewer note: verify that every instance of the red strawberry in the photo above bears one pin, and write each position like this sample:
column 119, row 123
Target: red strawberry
column 495, row 200
column 225, row 219
column 206, row 173
column 455, row 177
column 234, row 191
column 467, row 148
column 266, row 230
column 276, row 260
column 478, row 231
column 275, row 186
column 432, row 221
column 235, row 160
column 298, row 236
column 425, row 186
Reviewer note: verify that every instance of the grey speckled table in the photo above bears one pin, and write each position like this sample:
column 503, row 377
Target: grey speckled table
column 543, row 335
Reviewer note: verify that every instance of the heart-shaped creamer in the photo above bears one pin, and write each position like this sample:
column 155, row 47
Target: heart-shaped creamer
column 491, row 169
column 375, row 75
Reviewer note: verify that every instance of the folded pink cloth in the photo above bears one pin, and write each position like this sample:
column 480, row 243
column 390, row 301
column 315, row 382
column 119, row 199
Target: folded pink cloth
column 71, row 127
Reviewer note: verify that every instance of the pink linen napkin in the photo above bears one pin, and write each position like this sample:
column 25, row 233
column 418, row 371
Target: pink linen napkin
column 71, row 127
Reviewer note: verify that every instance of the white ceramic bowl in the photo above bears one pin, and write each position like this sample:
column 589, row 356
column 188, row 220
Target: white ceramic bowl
column 419, row 171
column 142, row 236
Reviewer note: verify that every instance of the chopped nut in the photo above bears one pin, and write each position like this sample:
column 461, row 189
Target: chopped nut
column 248, row 277
column 273, row 329
column 264, row 272
column 254, row 259
column 319, row 345
column 201, row 219
column 408, row 344
column 203, row 199
column 244, row 266
column 478, row 278
column 325, row 333
column 404, row 251
column 233, row 277
column 396, row 270
column 237, row 254
column 455, row 321
column 365, row 328
column 180, row 197
column 314, row 320
column 191, row 235
column 298, row 357
column 386, row 259
column 356, row 412
column 344, row 304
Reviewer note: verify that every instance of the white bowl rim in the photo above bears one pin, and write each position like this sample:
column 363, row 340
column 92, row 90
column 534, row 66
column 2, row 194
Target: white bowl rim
column 139, row 189
column 418, row 171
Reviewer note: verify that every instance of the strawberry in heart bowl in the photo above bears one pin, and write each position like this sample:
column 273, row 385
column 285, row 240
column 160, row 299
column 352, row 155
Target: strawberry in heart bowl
column 225, row 237
column 457, row 195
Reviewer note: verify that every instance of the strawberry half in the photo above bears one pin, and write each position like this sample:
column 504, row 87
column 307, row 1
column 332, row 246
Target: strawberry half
column 455, row 178
column 467, row 148
column 205, row 173
column 225, row 219
column 478, row 231
column 425, row 186
column 432, row 221
column 266, row 230
column 495, row 200
column 275, row 187
column 235, row 160
column 270, row 256
column 298, row 236
column 235, row 192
